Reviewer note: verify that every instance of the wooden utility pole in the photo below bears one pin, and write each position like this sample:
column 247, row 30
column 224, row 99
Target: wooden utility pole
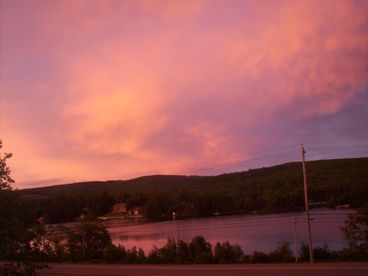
column 307, row 208
column 295, row 241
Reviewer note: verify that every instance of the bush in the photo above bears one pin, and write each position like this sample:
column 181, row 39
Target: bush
column 258, row 257
column 200, row 251
column 227, row 253
column 323, row 253
column 114, row 254
column 282, row 254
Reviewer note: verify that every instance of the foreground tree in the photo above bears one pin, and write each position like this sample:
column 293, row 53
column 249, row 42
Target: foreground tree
column 201, row 250
column 282, row 254
column 17, row 246
column 227, row 253
column 88, row 239
column 355, row 232
column 11, row 228
column 5, row 179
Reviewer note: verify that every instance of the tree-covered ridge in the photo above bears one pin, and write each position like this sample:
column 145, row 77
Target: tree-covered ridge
column 277, row 188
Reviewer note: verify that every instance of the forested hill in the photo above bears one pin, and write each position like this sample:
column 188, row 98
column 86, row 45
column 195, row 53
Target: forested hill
column 276, row 188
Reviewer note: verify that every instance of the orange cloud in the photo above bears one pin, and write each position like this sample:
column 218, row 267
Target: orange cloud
column 164, row 86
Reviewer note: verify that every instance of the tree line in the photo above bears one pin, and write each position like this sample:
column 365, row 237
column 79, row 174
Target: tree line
column 273, row 189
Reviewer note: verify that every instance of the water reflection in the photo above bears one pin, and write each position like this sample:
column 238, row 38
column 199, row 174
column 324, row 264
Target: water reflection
column 251, row 232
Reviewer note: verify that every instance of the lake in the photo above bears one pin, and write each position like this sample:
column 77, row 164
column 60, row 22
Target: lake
column 251, row 232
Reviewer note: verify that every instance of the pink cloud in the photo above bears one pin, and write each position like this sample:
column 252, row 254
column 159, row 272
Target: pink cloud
column 143, row 86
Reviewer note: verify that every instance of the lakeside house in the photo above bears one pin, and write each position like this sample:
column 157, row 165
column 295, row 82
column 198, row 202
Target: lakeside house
column 135, row 213
column 343, row 206
column 120, row 210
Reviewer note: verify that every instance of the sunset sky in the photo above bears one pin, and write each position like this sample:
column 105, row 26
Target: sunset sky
column 97, row 90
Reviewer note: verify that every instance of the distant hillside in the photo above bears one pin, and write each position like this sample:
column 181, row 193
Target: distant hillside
column 276, row 188
column 145, row 182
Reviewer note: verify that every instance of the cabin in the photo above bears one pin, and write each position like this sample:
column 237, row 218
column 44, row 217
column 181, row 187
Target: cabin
column 135, row 212
column 343, row 206
column 119, row 208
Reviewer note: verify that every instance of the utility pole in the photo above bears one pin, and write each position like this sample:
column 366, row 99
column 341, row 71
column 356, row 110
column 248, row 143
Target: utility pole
column 295, row 241
column 307, row 208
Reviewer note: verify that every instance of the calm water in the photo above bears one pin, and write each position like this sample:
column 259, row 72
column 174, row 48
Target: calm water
column 251, row 232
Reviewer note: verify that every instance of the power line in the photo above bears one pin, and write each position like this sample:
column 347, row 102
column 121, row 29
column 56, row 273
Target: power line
column 281, row 152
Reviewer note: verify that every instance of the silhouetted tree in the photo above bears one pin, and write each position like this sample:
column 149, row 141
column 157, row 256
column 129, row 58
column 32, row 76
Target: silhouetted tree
column 282, row 254
column 228, row 253
column 5, row 179
column 88, row 239
column 201, row 250
column 355, row 232
column 18, row 243
column 11, row 227
column 258, row 257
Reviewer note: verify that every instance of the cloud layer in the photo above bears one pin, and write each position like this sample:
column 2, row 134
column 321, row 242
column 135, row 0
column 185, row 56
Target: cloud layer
column 115, row 89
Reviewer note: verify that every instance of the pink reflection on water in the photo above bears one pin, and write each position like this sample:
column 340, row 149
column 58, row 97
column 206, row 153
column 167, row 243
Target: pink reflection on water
column 251, row 232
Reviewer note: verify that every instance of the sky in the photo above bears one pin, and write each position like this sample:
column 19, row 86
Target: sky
column 99, row 90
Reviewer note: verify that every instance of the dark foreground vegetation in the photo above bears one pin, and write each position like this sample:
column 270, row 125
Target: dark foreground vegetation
column 88, row 241
column 273, row 189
